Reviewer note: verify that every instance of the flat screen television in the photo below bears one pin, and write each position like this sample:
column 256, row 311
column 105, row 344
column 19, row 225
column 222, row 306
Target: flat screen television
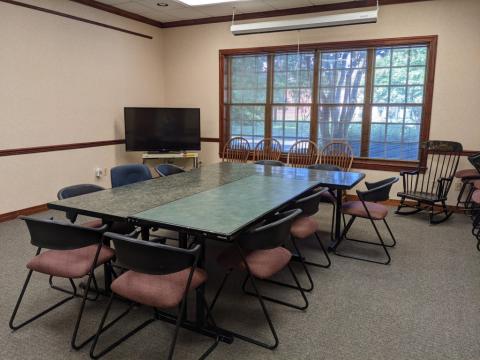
column 162, row 129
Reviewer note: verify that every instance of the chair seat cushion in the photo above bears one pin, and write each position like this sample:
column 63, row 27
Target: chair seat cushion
column 476, row 184
column 96, row 223
column 160, row 291
column 118, row 227
column 466, row 173
column 69, row 263
column 262, row 263
column 476, row 197
column 304, row 227
column 356, row 208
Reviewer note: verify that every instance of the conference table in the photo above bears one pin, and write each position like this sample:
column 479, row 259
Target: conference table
column 213, row 203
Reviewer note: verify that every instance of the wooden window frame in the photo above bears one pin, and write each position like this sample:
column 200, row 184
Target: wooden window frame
column 359, row 163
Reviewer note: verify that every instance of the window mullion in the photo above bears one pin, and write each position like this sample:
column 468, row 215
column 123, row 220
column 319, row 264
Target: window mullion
column 367, row 106
column 314, row 111
column 268, row 104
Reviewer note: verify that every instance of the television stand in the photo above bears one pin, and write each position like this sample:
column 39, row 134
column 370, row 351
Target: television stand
column 172, row 155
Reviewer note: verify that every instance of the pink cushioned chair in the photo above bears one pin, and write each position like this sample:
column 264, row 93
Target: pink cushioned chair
column 305, row 227
column 158, row 276
column 73, row 252
column 83, row 189
column 260, row 253
column 367, row 208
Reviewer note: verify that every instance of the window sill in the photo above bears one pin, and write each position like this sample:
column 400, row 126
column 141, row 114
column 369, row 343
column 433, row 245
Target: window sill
column 384, row 165
column 368, row 164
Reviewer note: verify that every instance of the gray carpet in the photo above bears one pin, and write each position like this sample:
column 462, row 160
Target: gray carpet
column 425, row 305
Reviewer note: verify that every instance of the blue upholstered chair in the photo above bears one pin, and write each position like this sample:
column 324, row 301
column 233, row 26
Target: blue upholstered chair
column 128, row 174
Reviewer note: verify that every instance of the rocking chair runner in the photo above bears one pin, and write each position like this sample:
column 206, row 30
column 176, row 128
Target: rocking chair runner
column 430, row 188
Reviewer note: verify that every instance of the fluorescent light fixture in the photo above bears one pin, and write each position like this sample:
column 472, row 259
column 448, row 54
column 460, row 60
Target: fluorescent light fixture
column 360, row 17
column 204, row 2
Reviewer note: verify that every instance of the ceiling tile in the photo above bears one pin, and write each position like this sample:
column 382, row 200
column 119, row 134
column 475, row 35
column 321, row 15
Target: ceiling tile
column 172, row 4
column 253, row 6
column 134, row 7
column 185, row 13
column 176, row 10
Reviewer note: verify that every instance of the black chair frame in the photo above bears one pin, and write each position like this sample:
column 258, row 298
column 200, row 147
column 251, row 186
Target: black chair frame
column 50, row 234
column 329, row 167
column 155, row 259
column 267, row 235
column 168, row 169
column 378, row 191
column 269, row 162
column 430, row 188
column 468, row 183
column 309, row 206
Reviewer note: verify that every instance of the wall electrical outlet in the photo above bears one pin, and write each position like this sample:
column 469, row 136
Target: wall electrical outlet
column 99, row 172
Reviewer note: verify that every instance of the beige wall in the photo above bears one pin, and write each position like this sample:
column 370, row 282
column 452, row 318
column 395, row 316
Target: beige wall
column 191, row 63
column 64, row 81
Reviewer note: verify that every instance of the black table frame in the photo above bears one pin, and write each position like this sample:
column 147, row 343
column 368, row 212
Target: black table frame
column 201, row 236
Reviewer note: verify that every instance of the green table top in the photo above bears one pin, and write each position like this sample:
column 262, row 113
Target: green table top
column 125, row 202
column 227, row 209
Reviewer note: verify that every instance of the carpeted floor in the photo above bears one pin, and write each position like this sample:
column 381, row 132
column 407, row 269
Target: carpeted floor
column 425, row 305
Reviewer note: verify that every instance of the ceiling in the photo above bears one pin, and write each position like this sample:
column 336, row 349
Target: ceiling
column 177, row 11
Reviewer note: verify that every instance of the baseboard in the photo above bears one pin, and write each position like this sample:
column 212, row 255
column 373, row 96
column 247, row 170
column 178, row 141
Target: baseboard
column 27, row 211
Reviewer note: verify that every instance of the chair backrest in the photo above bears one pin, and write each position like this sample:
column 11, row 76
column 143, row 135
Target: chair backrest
column 309, row 204
column 377, row 191
column 442, row 163
column 302, row 154
column 475, row 161
column 327, row 167
column 55, row 235
column 337, row 153
column 128, row 174
column 270, row 162
column 267, row 149
column 237, row 149
column 271, row 233
column 77, row 190
column 152, row 258
column 168, row 169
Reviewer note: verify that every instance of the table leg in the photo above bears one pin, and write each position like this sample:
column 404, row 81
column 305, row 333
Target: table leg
column 338, row 221
column 200, row 291
column 145, row 233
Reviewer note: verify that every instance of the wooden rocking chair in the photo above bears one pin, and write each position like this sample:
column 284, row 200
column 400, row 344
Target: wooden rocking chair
column 429, row 187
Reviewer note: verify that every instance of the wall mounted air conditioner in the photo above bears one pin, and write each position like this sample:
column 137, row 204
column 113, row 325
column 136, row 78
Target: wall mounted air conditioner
column 361, row 17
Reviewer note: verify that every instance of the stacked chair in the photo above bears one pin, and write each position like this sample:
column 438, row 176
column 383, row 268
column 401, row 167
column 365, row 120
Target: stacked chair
column 267, row 149
column 236, row 150
column 302, row 153
column 335, row 156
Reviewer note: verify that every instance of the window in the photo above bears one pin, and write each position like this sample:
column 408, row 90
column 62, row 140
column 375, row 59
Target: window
column 375, row 95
